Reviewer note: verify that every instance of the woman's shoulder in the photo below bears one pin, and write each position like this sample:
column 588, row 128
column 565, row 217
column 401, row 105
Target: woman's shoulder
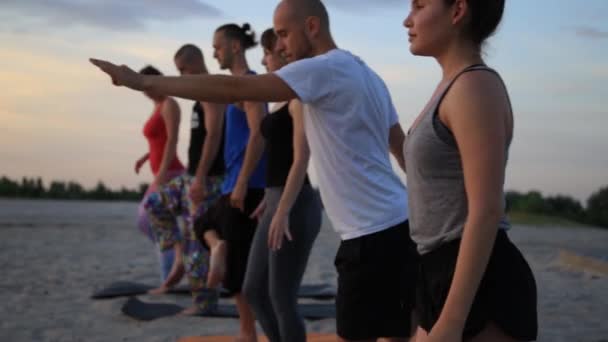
column 170, row 106
column 481, row 85
column 476, row 97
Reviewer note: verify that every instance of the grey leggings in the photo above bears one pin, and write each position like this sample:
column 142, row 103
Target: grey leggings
column 273, row 279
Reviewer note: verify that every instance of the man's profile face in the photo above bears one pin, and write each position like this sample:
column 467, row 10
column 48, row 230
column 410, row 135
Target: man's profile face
column 292, row 41
column 222, row 50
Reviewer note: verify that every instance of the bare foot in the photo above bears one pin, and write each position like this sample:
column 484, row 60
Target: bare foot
column 160, row 290
column 176, row 274
column 246, row 338
column 174, row 277
column 217, row 265
column 191, row 311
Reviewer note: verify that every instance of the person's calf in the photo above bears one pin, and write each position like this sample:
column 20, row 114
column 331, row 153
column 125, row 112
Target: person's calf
column 175, row 274
column 217, row 264
column 247, row 320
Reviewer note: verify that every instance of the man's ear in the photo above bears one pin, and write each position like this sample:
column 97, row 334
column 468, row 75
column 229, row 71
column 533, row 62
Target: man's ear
column 312, row 26
column 235, row 46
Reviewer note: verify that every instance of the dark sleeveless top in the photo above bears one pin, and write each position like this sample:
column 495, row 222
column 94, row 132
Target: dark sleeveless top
column 198, row 134
column 277, row 129
column 438, row 204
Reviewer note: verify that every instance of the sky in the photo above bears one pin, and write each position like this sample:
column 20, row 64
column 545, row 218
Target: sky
column 62, row 120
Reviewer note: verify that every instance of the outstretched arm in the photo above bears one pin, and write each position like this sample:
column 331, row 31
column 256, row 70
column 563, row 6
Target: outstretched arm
column 207, row 88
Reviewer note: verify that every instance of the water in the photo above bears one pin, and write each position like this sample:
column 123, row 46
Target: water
column 52, row 213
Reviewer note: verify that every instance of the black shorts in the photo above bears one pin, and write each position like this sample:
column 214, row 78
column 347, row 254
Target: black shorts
column 506, row 295
column 237, row 229
column 376, row 284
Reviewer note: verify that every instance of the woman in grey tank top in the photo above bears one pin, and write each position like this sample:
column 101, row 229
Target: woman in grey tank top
column 473, row 284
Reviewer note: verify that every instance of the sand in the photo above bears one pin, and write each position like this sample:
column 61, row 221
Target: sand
column 54, row 254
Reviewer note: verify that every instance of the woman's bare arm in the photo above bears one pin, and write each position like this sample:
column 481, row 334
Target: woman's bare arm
column 295, row 178
column 478, row 124
column 171, row 115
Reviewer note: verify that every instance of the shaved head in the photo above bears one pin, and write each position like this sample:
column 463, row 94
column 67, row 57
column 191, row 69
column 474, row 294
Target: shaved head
column 302, row 29
column 189, row 60
column 189, row 53
column 302, row 9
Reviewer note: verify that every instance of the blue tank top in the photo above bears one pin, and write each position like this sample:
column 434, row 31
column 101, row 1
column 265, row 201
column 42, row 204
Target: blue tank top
column 236, row 136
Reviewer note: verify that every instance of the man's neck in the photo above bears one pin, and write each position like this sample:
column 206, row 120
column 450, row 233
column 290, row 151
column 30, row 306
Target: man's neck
column 324, row 46
column 239, row 67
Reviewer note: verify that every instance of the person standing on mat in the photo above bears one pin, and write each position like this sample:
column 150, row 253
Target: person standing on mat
column 161, row 132
column 474, row 284
column 290, row 218
column 227, row 227
column 191, row 194
column 351, row 125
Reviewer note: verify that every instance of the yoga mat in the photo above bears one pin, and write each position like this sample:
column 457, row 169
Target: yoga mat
column 143, row 311
column 128, row 289
column 310, row 338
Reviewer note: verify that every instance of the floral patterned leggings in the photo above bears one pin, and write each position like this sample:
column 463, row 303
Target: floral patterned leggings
column 164, row 206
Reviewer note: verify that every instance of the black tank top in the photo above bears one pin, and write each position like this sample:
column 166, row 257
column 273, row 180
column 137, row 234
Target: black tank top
column 277, row 129
column 198, row 133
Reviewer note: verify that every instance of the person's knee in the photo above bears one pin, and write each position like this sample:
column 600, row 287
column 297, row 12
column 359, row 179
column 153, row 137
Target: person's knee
column 284, row 304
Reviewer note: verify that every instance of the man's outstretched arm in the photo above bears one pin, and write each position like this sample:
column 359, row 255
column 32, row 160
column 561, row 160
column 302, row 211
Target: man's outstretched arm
column 211, row 88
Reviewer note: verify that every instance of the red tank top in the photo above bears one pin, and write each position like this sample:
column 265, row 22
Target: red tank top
column 155, row 132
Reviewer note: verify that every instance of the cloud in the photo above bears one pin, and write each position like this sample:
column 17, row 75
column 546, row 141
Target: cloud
column 25, row 15
column 590, row 32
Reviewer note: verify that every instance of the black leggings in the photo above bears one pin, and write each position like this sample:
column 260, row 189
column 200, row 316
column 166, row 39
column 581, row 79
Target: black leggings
column 273, row 279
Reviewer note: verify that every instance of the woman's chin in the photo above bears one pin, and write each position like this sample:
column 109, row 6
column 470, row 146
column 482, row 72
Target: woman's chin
column 416, row 51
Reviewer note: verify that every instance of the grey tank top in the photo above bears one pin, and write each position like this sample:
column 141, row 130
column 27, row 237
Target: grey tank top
column 437, row 198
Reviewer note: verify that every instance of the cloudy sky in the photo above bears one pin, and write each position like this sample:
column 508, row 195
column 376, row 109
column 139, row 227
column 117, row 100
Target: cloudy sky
column 60, row 118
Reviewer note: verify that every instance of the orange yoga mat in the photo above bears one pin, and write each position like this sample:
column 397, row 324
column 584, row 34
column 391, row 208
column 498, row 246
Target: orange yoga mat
column 311, row 338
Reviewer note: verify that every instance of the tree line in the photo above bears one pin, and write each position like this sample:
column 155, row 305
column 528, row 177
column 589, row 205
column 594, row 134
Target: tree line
column 595, row 212
column 35, row 188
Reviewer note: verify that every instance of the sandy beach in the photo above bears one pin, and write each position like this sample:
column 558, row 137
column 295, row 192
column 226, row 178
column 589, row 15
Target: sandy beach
column 55, row 253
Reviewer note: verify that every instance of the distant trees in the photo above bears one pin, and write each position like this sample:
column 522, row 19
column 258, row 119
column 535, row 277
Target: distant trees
column 596, row 212
column 597, row 207
column 34, row 188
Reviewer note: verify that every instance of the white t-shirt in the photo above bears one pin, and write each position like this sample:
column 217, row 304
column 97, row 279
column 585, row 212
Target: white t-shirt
column 348, row 113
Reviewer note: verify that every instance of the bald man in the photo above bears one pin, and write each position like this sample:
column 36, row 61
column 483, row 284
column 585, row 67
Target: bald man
column 351, row 125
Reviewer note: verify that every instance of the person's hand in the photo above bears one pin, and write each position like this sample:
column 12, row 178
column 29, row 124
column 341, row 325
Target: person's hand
column 160, row 179
column 259, row 211
column 198, row 191
column 138, row 164
column 120, row 75
column 279, row 227
column 237, row 198
column 442, row 333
